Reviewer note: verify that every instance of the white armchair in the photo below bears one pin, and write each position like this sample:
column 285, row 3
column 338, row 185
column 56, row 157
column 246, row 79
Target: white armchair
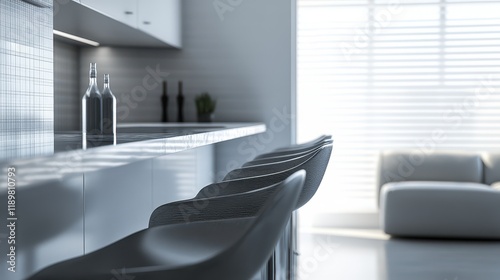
column 439, row 195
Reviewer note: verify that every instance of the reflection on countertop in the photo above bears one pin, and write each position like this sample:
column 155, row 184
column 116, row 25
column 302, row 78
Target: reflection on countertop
column 72, row 140
column 135, row 142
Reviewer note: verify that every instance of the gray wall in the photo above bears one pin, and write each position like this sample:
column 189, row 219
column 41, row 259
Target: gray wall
column 243, row 58
column 26, row 82
column 67, row 93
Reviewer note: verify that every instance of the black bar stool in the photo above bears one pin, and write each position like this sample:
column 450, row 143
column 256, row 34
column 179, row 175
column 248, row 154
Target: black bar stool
column 289, row 238
column 314, row 163
column 229, row 249
column 215, row 200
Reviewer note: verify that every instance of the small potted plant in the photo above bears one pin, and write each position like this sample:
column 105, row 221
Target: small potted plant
column 205, row 106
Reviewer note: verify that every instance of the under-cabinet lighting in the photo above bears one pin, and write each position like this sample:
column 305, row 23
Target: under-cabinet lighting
column 76, row 38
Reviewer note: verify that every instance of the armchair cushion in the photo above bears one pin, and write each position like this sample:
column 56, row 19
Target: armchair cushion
column 440, row 209
column 397, row 166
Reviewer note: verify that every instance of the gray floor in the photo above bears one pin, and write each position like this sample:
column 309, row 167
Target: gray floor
column 343, row 254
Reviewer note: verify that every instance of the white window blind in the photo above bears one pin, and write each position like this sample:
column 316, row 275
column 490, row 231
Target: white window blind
column 383, row 75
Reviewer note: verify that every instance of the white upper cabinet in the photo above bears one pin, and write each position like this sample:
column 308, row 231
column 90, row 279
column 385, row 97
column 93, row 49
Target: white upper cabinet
column 122, row 10
column 161, row 18
column 142, row 23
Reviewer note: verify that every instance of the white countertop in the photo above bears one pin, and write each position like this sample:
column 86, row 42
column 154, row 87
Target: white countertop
column 135, row 142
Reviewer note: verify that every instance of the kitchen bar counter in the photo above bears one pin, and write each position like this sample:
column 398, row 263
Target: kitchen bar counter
column 76, row 201
column 135, row 142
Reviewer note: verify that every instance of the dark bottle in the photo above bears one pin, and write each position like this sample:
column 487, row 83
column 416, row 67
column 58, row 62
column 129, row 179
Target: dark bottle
column 92, row 108
column 164, row 103
column 108, row 113
column 180, row 104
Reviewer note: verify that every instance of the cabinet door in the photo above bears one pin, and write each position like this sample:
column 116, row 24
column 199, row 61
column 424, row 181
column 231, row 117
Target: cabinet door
column 161, row 19
column 122, row 10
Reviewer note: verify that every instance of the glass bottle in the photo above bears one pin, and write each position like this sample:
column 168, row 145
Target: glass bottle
column 180, row 104
column 108, row 113
column 92, row 108
column 164, row 103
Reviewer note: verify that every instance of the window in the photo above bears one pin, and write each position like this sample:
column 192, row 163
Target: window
column 383, row 75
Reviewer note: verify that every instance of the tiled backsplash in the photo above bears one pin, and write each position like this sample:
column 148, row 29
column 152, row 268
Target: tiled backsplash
column 26, row 79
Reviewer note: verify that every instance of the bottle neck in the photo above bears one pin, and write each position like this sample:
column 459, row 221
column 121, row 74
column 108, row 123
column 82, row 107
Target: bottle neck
column 92, row 80
column 93, row 76
column 106, row 81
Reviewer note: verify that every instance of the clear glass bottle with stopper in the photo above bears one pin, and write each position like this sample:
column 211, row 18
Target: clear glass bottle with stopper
column 108, row 113
column 92, row 109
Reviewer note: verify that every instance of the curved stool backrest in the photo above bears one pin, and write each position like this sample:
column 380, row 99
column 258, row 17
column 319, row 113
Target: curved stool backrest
column 238, row 205
column 313, row 142
column 261, row 169
column 296, row 148
column 248, row 180
column 286, row 157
